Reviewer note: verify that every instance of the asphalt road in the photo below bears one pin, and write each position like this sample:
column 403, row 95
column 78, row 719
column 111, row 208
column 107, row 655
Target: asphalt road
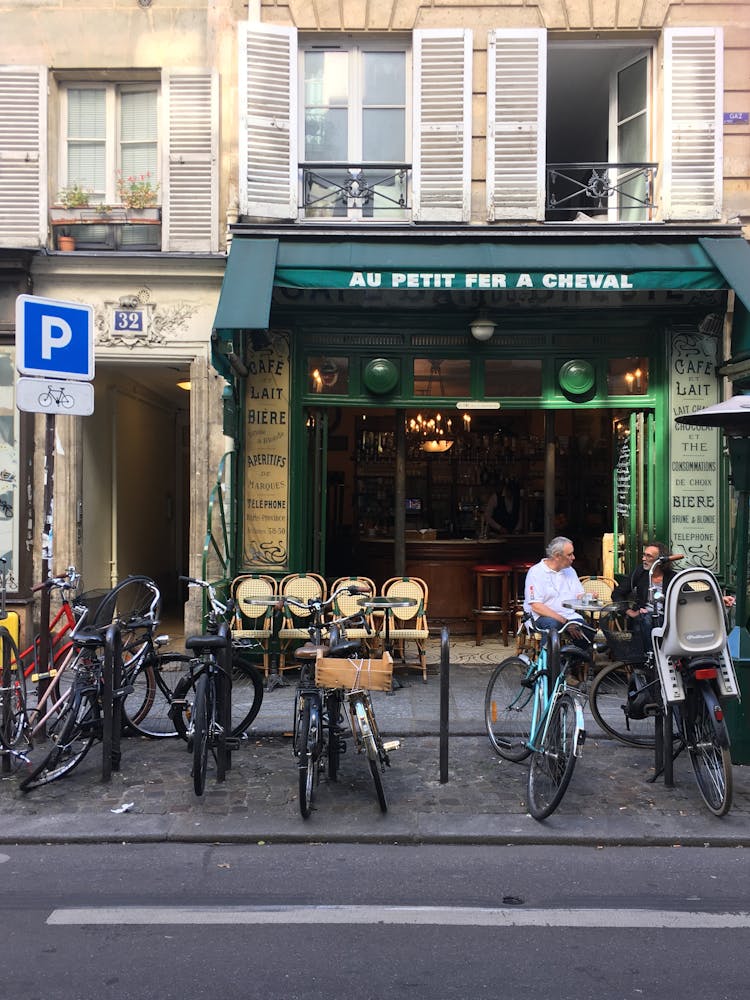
column 296, row 922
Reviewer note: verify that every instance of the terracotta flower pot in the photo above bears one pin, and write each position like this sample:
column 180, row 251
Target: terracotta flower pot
column 66, row 243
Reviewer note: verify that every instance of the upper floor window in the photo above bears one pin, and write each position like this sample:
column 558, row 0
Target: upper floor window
column 110, row 135
column 354, row 130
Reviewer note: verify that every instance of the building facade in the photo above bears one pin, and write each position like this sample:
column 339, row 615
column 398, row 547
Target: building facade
column 528, row 221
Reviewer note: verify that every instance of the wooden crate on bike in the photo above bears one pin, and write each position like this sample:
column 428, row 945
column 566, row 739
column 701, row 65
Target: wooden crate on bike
column 354, row 672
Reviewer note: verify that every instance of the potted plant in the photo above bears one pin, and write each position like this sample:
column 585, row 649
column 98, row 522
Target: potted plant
column 74, row 196
column 65, row 241
column 139, row 195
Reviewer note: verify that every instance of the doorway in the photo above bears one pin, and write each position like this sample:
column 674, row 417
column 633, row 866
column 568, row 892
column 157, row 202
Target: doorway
column 134, row 510
column 446, row 490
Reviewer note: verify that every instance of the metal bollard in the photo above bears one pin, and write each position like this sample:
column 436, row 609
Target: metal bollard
column 444, row 695
column 111, row 705
column 224, row 706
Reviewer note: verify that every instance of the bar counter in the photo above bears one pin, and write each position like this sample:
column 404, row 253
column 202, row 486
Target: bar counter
column 447, row 565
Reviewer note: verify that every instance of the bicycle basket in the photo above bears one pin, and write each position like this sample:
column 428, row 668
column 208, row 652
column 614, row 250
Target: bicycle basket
column 90, row 602
column 626, row 647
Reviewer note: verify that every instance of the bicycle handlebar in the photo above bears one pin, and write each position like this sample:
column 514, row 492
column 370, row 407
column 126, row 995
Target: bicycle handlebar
column 67, row 580
column 316, row 602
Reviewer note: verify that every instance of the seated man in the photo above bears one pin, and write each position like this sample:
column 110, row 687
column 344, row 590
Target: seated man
column 549, row 583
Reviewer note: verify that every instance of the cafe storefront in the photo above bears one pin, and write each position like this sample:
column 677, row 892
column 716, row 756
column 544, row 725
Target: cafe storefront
column 382, row 391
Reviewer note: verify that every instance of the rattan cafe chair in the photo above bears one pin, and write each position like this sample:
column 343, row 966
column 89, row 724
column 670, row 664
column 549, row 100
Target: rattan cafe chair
column 253, row 621
column 409, row 624
column 296, row 622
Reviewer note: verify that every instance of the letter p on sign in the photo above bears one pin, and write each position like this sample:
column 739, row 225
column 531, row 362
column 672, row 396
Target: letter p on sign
column 56, row 333
column 54, row 339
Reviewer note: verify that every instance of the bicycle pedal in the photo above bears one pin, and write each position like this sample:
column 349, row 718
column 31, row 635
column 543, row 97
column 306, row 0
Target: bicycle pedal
column 232, row 743
column 43, row 677
column 389, row 745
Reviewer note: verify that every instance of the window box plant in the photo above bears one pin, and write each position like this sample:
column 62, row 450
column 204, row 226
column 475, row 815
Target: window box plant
column 139, row 196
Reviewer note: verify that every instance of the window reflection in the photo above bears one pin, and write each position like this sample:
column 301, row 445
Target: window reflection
column 513, row 377
column 446, row 377
column 328, row 376
column 627, row 376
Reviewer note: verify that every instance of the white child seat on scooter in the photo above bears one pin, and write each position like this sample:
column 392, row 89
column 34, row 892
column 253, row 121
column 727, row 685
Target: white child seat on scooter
column 694, row 625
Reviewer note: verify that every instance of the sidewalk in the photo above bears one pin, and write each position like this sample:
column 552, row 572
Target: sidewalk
column 610, row 800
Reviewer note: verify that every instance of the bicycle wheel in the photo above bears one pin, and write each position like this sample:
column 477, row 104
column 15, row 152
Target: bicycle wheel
column 309, row 748
column 609, row 703
column 247, row 692
column 12, row 706
column 247, row 697
column 553, row 762
column 367, row 736
column 202, row 719
column 147, row 710
column 707, row 743
column 73, row 733
column 508, row 706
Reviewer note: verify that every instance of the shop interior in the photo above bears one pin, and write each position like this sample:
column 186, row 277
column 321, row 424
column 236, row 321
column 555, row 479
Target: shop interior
column 455, row 461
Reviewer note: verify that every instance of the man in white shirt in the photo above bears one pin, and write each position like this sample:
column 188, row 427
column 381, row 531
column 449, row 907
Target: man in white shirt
column 550, row 582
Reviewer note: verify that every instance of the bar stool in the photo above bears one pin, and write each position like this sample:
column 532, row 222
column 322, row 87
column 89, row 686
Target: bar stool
column 518, row 578
column 493, row 597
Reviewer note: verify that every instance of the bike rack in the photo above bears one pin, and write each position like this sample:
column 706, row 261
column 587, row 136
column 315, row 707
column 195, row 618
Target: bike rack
column 445, row 667
column 111, row 703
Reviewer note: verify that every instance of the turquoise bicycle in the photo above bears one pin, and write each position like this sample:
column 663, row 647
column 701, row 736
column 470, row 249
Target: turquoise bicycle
column 532, row 710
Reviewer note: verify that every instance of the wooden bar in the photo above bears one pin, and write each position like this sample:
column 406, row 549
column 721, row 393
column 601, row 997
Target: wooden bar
column 447, row 566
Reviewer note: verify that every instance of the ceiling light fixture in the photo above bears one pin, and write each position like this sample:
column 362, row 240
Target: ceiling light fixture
column 482, row 327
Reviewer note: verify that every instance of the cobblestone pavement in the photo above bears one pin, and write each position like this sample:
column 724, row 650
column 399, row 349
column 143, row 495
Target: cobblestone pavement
column 610, row 799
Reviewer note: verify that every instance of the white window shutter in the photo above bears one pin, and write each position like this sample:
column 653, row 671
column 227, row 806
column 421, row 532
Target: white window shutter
column 516, row 123
column 189, row 188
column 268, row 121
column 693, row 129
column 23, row 156
column 442, row 125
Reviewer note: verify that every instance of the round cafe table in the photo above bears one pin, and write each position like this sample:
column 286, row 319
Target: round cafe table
column 386, row 605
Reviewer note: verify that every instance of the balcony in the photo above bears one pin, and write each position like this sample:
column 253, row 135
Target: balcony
column 604, row 192
column 97, row 227
column 378, row 191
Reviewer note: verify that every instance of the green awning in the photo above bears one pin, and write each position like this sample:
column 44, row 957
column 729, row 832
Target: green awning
column 732, row 258
column 255, row 265
column 245, row 300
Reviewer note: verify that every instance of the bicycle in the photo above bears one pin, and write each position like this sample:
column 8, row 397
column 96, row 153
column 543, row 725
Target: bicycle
column 246, row 678
column 530, row 710
column 77, row 721
column 625, row 699
column 327, row 685
column 207, row 727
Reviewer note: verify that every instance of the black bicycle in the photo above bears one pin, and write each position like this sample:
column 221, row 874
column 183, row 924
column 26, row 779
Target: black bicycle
column 246, row 678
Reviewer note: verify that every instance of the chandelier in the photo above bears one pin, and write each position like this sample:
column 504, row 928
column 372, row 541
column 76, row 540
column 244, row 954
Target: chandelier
column 434, row 433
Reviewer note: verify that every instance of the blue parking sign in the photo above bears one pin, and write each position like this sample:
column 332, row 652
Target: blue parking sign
column 54, row 339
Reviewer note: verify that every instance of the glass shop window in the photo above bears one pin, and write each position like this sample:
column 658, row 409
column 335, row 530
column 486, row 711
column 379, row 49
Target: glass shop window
column 447, row 377
column 513, row 377
column 328, row 376
column 627, row 376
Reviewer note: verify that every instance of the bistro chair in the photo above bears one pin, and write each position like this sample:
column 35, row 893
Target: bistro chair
column 409, row 624
column 348, row 604
column 295, row 621
column 600, row 586
column 253, row 621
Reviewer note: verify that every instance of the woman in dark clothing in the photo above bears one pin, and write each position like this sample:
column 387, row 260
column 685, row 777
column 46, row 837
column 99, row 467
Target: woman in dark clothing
column 503, row 509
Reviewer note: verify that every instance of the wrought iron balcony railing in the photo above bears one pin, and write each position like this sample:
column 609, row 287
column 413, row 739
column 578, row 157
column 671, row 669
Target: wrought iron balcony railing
column 617, row 192
column 356, row 190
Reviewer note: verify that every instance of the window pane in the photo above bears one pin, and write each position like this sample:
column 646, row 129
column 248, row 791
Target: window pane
column 138, row 133
column 627, row 376
column 328, row 376
column 86, row 167
column 326, row 135
column 326, row 79
column 434, row 377
column 384, row 78
column 517, row 377
column 383, row 135
column 631, row 89
column 86, row 114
